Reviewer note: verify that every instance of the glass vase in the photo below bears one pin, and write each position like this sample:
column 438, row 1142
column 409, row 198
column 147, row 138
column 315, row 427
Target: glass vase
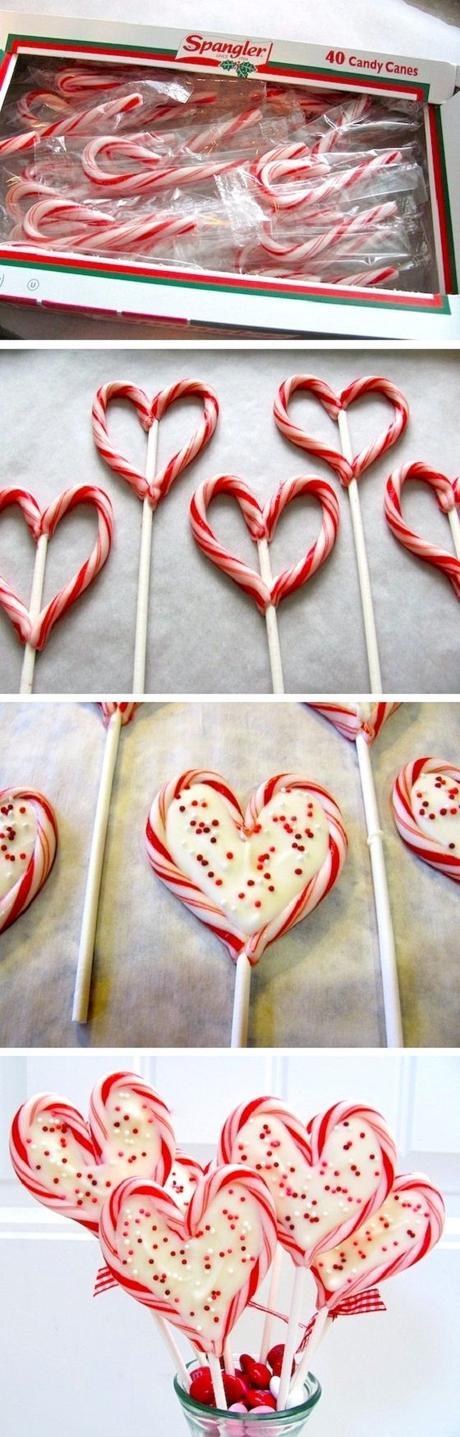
column 212, row 1422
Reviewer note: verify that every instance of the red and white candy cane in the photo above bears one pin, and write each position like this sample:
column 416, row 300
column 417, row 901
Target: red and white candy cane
column 49, row 220
column 151, row 172
column 296, row 162
column 362, row 723
column 71, row 1165
column 426, row 808
column 349, row 467
column 34, row 624
column 152, row 486
column 28, row 842
column 262, row 524
column 169, row 1264
column 80, row 123
column 407, row 1226
column 448, row 496
column 116, row 716
column 342, row 1163
column 247, row 876
column 349, row 236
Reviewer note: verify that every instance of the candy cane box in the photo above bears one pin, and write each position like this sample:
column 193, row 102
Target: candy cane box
column 301, row 271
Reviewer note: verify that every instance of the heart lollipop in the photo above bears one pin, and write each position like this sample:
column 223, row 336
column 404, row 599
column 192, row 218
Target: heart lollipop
column 201, row 1268
column 426, row 808
column 363, row 723
column 28, row 841
column 152, row 486
column 347, row 466
column 406, row 1227
column 249, row 877
column 262, row 524
column 33, row 625
column 325, row 1179
column 71, row 1165
column 448, row 497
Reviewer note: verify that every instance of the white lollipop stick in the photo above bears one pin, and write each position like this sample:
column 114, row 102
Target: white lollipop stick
column 275, row 1278
column 143, row 583
column 228, row 1357
column 38, row 579
column 291, row 1338
column 388, row 965
column 241, row 998
column 322, row 1325
column 361, row 561
column 93, row 881
column 217, row 1382
column 454, row 522
column 271, row 620
column 171, row 1344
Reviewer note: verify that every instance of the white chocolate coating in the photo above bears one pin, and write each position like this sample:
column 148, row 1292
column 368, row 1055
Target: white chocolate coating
column 435, row 802
column 252, row 876
column 310, row 1200
column 198, row 1275
column 71, row 1173
column 18, row 835
column 182, row 1181
column 392, row 1232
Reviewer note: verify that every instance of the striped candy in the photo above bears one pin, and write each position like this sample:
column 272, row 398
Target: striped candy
column 198, row 1269
column 233, row 917
column 28, row 842
column 293, row 161
column 448, row 497
column 47, row 222
column 185, row 1174
column 148, row 411
column 367, row 719
column 71, row 1165
column 325, row 1178
column 334, row 403
column 127, row 711
column 426, row 809
column 262, row 524
column 45, row 521
column 79, row 123
column 150, row 173
column 403, row 1230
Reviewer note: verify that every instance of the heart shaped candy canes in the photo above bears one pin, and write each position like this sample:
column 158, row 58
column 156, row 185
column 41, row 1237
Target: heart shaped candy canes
column 148, row 412
column 247, row 877
column 426, row 808
column 448, row 497
column 28, row 842
column 262, row 524
column 44, row 522
column 406, row 1227
column 334, row 405
column 367, row 719
column 72, row 1166
column 325, row 1179
column 199, row 1269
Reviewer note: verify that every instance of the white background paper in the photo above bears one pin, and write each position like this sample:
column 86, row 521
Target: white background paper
column 205, row 634
column 160, row 977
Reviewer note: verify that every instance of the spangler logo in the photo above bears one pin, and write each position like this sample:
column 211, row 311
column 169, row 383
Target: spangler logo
column 219, row 48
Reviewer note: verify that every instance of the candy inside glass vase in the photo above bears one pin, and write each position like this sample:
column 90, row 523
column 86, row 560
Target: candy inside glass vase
column 205, row 1421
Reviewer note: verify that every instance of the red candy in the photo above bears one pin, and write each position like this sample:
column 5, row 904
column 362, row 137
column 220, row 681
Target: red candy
column 260, row 1399
column 201, row 1388
column 256, row 1373
column 235, row 1388
column 275, row 1359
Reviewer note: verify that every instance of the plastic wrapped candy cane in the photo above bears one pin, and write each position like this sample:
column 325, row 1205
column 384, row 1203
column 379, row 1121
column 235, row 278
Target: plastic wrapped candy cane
column 83, row 122
column 349, row 467
column 116, row 715
column 152, row 486
column 235, row 872
column 362, row 724
column 33, row 624
column 262, row 523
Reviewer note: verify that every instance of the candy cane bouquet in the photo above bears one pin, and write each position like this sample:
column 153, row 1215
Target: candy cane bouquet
column 194, row 1245
column 230, row 174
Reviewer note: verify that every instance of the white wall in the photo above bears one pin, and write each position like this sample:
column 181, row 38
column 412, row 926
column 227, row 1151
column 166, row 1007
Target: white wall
column 97, row 1365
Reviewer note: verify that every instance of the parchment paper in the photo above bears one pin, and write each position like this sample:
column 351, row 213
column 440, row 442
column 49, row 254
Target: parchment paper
column 205, row 634
column 160, row 978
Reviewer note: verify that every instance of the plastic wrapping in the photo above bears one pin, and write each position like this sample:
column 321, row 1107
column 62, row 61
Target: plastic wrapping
column 220, row 173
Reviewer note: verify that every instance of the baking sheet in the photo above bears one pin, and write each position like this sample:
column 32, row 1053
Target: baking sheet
column 205, row 634
column 160, row 978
